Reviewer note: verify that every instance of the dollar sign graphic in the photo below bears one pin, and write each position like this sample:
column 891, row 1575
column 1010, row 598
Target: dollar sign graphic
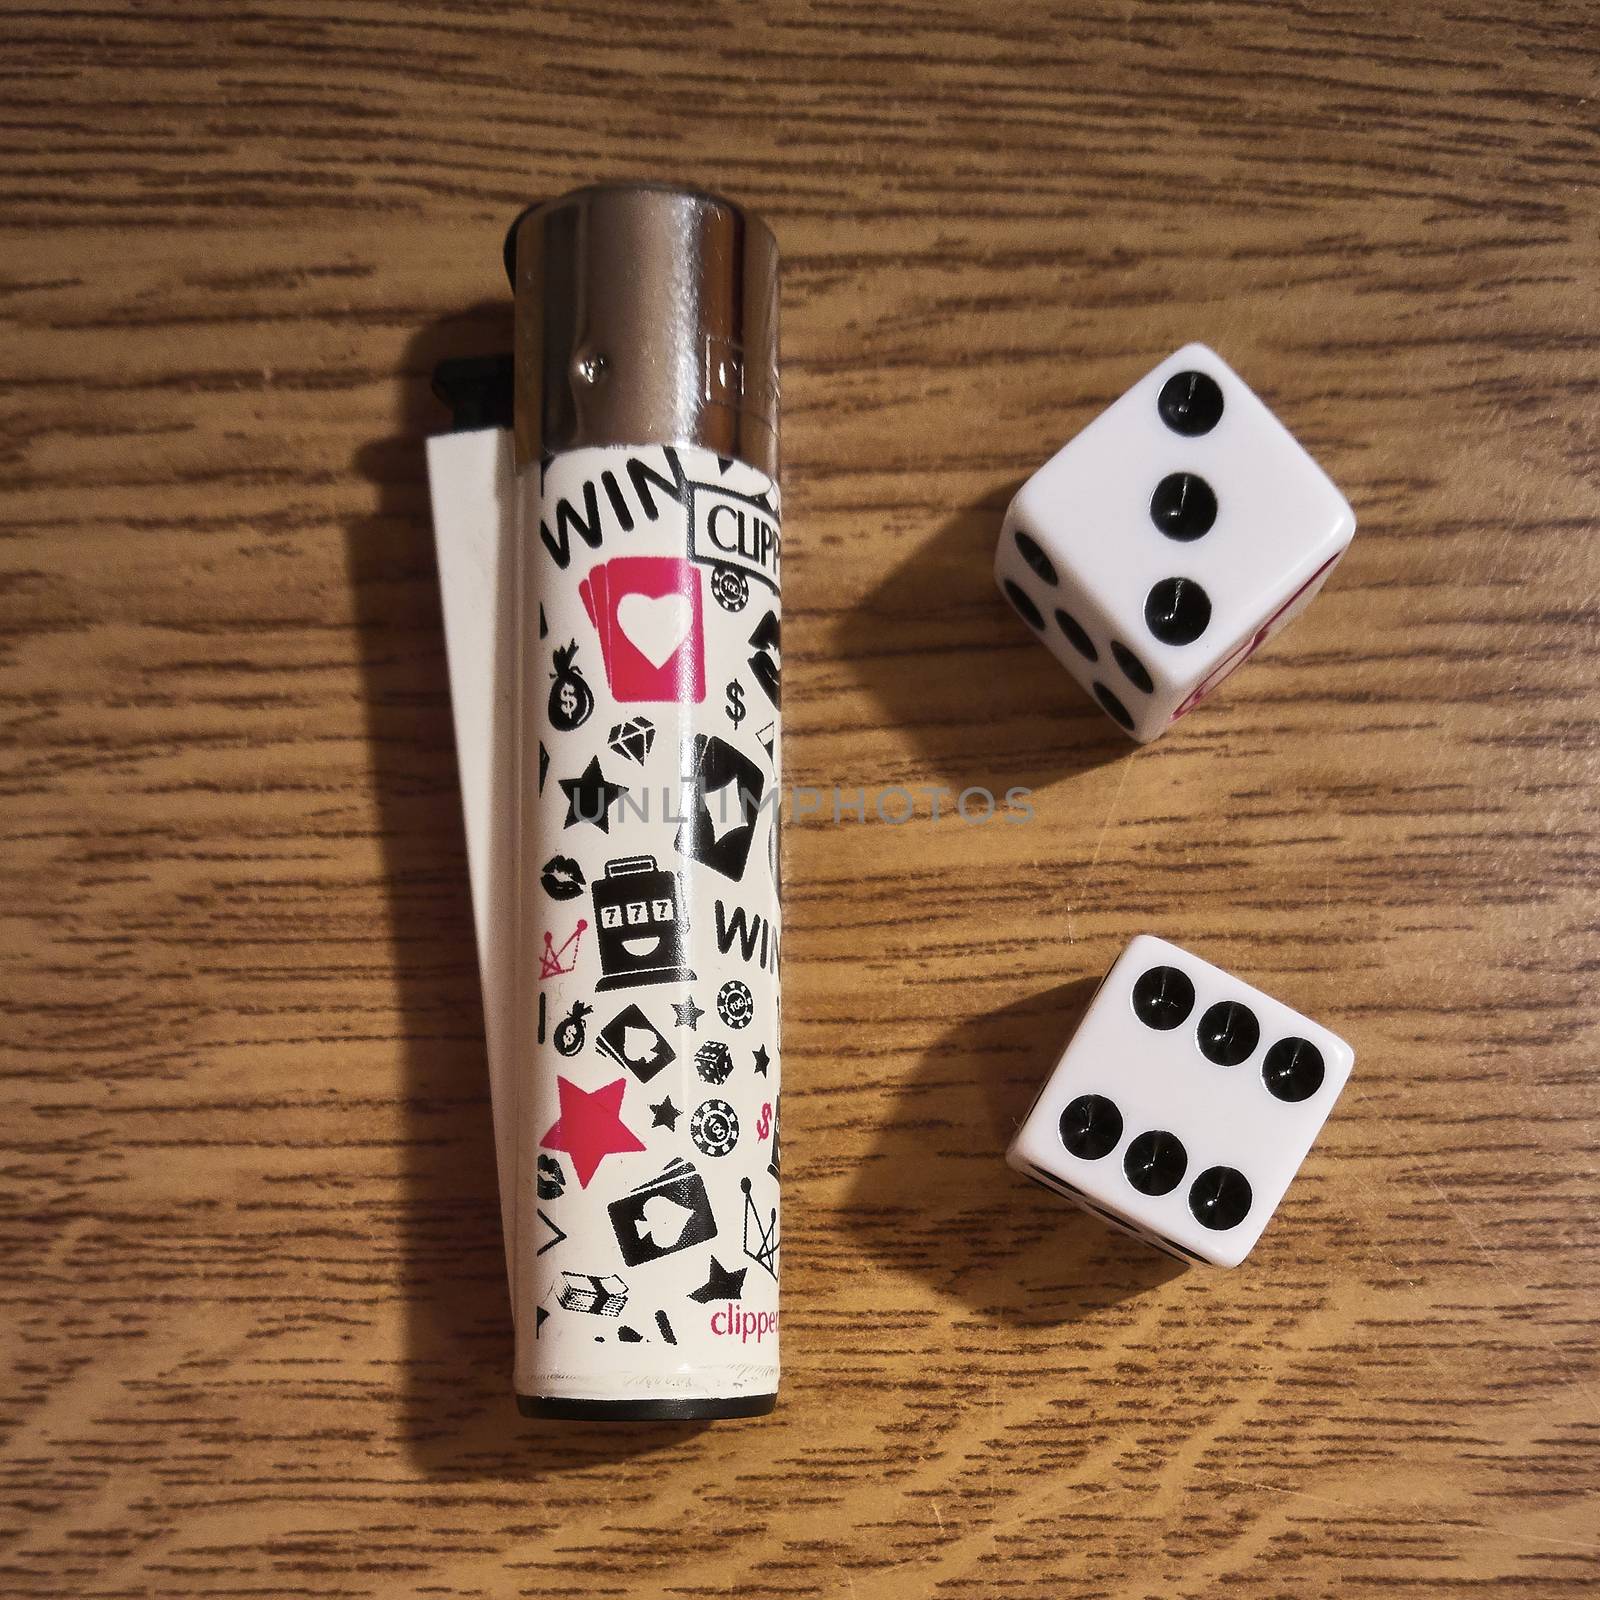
column 764, row 1126
column 569, row 699
column 735, row 706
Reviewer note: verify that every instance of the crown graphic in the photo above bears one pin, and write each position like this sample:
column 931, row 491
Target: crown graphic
column 554, row 960
column 760, row 1238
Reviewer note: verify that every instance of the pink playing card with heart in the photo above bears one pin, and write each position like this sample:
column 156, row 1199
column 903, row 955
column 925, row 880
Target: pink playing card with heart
column 646, row 610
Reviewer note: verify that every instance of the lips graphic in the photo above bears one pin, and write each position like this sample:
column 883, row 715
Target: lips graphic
column 562, row 878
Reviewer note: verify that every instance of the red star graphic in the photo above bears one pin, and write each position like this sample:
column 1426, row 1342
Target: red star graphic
column 589, row 1128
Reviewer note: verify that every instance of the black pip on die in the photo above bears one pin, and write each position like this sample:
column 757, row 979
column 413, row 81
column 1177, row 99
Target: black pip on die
column 1183, row 1106
column 1161, row 547
column 645, row 1250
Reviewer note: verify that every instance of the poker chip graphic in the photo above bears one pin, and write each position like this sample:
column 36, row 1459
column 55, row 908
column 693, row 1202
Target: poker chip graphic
column 571, row 698
column 731, row 588
column 713, row 1061
column 734, row 1004
column 714, row 1127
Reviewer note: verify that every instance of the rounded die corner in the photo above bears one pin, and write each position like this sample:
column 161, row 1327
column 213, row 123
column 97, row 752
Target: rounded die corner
column 1223, row 1251
column 1196, row 350
column 1228, row 1260
column 1028, row 1139
column 1155, row 945
column 1147, row 730
column 1345, row 1057
column 1021, row 510
column 1199, row 356
column 1345, row 527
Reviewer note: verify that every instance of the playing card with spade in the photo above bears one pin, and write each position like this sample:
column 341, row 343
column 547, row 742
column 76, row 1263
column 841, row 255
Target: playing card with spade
column 646, row 610
column 669, row 1213
column 721, row 802
column 633, row 1041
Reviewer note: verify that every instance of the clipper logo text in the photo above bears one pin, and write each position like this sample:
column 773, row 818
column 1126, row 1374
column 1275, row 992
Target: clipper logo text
column 745, row 1326
column 731, row 530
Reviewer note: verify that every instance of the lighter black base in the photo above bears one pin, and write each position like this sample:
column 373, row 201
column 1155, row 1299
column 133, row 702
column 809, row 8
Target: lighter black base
column 695, row 1410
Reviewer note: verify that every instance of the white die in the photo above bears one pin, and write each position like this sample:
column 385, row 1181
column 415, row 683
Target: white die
column 1160, row 548
column 1184, row 1104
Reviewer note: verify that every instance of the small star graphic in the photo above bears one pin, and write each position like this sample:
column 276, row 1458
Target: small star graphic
column 688, row 1014
column 591, row 797
column 665, row 1114
column 720, row 1284
column 763, row 1060
column 590, row 1127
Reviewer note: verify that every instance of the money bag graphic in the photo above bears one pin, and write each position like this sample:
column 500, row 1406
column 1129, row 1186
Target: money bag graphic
column 569, row 1030
column 571, row 698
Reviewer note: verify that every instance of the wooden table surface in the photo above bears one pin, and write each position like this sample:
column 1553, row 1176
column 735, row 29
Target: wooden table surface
column 255, row 1327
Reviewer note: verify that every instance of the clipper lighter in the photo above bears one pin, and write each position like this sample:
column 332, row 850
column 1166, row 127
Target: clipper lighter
column 645, row 1216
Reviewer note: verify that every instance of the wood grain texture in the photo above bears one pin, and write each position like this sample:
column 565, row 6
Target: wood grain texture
column 255, row 1330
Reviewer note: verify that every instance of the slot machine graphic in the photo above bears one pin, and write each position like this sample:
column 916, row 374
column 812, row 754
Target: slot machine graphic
column 642, row 927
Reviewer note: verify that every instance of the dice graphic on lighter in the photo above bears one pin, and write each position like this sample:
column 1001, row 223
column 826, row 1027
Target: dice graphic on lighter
column 1161, row 547
column 1183, row 1106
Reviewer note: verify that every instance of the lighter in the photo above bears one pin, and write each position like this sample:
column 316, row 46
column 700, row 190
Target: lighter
column 645, row 516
